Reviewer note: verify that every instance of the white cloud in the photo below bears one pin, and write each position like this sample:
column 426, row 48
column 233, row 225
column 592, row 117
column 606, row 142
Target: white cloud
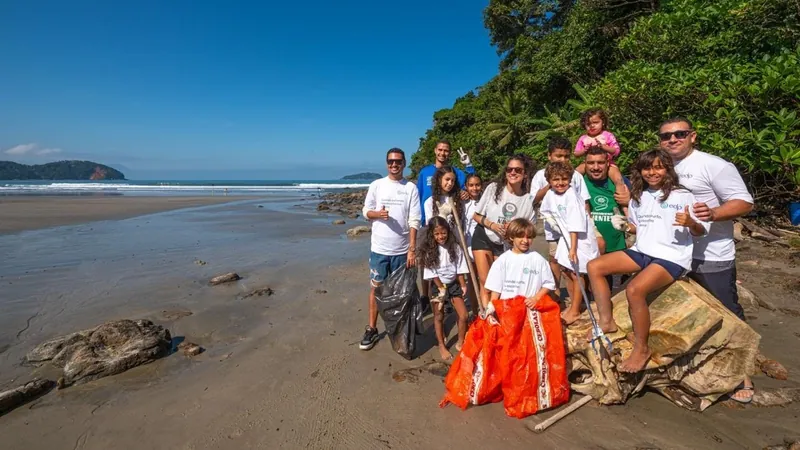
column 21, row 149
column 31, row 149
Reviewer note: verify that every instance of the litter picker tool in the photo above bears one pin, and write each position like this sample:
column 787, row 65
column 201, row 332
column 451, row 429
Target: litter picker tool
column 473, row 303
column 597, row 332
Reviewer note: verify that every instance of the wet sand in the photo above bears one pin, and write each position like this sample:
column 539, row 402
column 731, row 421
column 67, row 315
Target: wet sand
column 284, row 371
column 18, row 213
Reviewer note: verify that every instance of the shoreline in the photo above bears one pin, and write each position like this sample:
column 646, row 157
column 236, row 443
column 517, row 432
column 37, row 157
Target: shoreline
column 25, row 213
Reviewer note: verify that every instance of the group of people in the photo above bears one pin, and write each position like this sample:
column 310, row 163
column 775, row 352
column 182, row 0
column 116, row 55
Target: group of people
column 678, row 203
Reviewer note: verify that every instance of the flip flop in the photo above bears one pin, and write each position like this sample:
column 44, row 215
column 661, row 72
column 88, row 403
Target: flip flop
column 742, row 387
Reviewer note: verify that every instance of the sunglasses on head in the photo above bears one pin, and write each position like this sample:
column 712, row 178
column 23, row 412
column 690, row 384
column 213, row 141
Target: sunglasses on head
column 390, row 162
column 517, row 170
column 680, row 134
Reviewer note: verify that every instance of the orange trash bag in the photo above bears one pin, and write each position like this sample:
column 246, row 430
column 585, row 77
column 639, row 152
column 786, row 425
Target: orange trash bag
column 533, row 356
column 475, row 376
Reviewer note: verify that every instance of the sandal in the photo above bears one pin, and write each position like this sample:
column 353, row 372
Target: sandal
column 742, row 387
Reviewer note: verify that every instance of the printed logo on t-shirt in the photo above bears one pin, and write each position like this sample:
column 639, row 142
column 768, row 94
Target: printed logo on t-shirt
column 528, row 271
column 685, row 175
column 675, row 206
column 602, row 203
column 428, row 180
column 562, row 209
column 509, row 211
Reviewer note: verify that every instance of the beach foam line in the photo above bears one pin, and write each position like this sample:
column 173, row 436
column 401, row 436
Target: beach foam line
column 123, row 187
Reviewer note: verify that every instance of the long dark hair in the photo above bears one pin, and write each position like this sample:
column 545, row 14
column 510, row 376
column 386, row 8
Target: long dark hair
column 430, row 248
column 454, row 194
column 502, row 180
column 645, row 160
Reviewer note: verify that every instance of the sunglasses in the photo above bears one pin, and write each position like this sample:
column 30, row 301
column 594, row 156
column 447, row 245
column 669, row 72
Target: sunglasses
column 517, row 170
column 399, row 162
column 680, row 134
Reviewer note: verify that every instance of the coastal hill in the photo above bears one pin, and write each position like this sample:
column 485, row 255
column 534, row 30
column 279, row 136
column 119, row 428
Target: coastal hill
column 60, row 170
column 363, row 176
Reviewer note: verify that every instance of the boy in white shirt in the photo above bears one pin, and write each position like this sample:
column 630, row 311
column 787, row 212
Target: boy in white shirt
column 392, row 204
column 519, row 271
column 558, row 150
column 565, row 211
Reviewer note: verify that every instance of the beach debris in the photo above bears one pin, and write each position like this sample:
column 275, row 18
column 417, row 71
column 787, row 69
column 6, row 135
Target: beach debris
column 175, row 314
column 108, row 349
column 771, row 368
column 339, row 222
column 258, row 292
column 701, row 351
column 737, row 232
column 200, row 262
column 766, row 398
column 756, row 232
column 412, row 374
column 320, row 291
column 20, row 395
column 747, row 299
column 534, row 425
column 355, row 231
column 190, row 348
column 224, row 278
column 788, row 444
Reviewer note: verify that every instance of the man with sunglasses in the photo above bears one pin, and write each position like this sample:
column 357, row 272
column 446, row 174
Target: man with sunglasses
column 722, row 196
column 392, row 205
column 425, row 175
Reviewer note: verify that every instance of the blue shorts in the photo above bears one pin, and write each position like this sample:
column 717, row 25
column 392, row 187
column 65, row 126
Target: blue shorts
column 380, row 266
column 643, row 261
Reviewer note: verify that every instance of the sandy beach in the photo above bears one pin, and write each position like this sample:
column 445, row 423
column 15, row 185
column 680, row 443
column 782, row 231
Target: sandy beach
column 284, row 371
column 19, row 213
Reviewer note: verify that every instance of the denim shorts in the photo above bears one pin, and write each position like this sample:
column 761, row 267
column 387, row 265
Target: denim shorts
column 380, row 266
column 643, row 261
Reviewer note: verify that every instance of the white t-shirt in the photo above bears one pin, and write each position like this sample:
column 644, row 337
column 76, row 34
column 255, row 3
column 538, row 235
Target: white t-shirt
column 656, row 236
column 570, row 214
column 577, row 183
column 391, row 237
column 713, row 181
column 514, row 274
column 509, row 207
column 447, row 270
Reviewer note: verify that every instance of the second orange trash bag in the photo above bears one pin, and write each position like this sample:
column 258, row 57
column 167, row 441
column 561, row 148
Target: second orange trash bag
column 521, row 360
column 534, row 356
column 475, row 376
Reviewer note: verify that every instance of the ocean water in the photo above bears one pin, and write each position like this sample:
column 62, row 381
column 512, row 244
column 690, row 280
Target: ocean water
column 181, row 187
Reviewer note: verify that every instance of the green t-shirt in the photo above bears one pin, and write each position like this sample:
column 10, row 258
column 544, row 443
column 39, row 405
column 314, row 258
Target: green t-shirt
column 603, row 204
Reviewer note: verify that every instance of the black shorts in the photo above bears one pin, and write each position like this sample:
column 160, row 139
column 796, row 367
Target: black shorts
column 453, row 290
column 480, row 241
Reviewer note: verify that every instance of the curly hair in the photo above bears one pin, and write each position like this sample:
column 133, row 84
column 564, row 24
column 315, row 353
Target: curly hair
column 558, row 168
column 645, row 161
column 429, row 252
column 588, row 114
column 530, row 167
column 454, row 194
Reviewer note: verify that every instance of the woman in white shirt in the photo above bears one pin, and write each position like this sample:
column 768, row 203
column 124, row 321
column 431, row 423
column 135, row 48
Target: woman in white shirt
column 660, row 213
column 504, row 200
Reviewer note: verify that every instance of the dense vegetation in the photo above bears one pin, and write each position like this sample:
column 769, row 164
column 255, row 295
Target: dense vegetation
column 61, row 170
column 363, row 176
column 731, row 66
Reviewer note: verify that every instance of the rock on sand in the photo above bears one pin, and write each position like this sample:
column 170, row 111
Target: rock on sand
column 17, row 396
column 224, row 278
column 355, row 231
column 108, row 349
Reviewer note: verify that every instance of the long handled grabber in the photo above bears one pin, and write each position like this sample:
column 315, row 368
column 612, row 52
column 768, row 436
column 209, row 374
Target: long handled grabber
column 474, row 302
column 597, row 332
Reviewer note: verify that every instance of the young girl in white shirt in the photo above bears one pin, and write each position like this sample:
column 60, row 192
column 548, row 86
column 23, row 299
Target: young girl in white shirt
column 444, row 265
column 562, row 206
column 446, row 197
column 660, row 214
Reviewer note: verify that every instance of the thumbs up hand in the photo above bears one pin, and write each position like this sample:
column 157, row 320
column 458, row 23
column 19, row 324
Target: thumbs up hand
column 384, row 213
column 683, row 219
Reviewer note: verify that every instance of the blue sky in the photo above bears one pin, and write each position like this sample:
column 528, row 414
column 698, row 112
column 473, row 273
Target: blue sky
column 212, row 89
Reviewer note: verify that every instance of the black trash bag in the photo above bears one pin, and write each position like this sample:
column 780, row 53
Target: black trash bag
column 401, row 310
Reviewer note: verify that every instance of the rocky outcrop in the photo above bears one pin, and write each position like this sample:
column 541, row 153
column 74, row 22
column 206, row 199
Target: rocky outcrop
column 355, row 231
column 108, row 349
column 348, row 204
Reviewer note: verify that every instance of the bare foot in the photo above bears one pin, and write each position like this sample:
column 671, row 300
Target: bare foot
column 445, row 353
column 607, row 327
column 569, row 317
column 635, row 362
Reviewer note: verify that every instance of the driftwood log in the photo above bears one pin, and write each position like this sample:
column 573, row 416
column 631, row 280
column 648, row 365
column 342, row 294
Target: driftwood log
column 20, row 395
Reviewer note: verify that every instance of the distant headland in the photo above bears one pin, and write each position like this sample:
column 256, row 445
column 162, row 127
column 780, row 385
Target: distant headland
column 363, row 176
column 60, row 170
